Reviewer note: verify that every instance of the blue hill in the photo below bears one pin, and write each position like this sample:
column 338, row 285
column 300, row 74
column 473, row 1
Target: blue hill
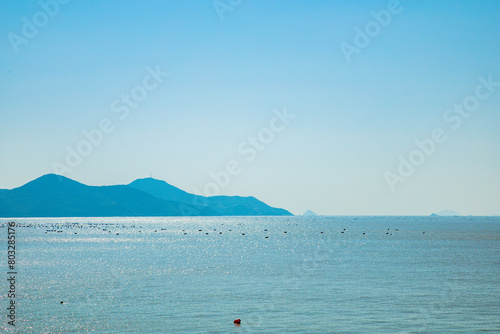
column 222, row 205
column 57, row 196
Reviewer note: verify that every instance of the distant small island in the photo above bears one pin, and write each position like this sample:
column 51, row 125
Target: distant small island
column 446, row 213
column 57, row 196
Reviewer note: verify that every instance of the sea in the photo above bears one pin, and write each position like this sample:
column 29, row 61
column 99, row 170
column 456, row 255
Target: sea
column 302, row 274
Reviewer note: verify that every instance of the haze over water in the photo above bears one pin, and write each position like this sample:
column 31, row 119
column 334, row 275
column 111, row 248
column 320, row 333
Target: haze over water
column 164, row 275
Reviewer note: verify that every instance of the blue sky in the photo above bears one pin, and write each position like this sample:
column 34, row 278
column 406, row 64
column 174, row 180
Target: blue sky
column 231, row 72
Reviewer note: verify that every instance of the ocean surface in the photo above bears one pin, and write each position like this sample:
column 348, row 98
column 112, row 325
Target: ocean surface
column 320, row 274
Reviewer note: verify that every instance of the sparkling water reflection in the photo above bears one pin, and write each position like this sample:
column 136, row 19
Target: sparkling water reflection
column 196, row 275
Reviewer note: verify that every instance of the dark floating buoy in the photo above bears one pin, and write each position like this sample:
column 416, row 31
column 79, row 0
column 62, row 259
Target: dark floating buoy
column 363, row 233
column 62, row 302
column 267, row 237
column 321, row 232
column 284, row 232
column 242, row 233
column 237, row 321
column 423, row 232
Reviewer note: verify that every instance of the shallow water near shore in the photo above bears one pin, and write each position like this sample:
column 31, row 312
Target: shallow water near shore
column 198, row 274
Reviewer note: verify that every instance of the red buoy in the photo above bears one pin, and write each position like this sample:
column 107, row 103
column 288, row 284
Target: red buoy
column 237, row 321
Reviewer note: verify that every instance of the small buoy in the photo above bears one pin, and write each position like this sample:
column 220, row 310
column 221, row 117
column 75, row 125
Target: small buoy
column 237, row 321
column 62, row 302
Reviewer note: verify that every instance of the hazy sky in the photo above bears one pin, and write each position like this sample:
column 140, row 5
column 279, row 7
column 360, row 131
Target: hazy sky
column 303, row 104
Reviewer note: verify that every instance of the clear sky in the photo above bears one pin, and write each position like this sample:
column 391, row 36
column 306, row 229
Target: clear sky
column 188, row 90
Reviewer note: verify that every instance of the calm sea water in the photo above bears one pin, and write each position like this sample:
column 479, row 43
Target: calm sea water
column 196, row 275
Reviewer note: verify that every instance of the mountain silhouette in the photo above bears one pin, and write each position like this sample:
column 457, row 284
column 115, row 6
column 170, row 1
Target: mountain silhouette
column 57, row 196
column 222, row 205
